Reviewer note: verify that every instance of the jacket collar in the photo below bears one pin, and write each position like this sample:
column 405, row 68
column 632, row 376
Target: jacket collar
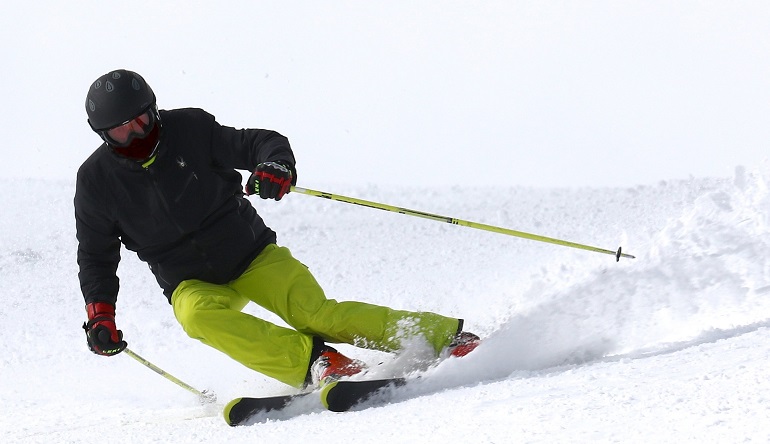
column 128, row 163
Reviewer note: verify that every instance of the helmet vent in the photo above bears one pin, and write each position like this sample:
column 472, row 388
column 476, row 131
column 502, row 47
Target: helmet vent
column 116, row 98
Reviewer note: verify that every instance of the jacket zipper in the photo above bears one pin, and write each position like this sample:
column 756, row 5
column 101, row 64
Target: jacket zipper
column 179, row 228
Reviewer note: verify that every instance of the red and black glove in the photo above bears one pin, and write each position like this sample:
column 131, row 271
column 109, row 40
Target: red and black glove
column 102, row 335
column 271, row 180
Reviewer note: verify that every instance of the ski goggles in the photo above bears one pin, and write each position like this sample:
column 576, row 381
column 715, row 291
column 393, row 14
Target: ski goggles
column 122, row 135
column 137, row 139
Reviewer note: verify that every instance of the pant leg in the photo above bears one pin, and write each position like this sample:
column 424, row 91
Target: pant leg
column 212, row 314
column 283, row 285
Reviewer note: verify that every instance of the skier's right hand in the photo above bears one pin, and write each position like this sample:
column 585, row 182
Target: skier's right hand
column 102, row 335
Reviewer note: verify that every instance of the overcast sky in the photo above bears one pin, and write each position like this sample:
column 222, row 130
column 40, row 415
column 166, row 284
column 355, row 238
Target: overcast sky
column 582, row 93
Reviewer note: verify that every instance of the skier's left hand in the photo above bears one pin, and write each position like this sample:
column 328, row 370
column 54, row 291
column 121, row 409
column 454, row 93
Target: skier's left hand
column 271, row 180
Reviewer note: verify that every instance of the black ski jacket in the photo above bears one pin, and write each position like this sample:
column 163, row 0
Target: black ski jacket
column 184, row 215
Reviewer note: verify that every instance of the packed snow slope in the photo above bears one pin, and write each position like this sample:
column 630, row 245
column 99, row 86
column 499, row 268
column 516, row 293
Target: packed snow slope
column 671, row 346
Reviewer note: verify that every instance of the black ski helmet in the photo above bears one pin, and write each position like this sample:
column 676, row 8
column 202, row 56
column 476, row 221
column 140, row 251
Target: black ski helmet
column 116, row 98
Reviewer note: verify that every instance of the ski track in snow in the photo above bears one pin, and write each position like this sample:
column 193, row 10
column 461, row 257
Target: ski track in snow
column 668, row 347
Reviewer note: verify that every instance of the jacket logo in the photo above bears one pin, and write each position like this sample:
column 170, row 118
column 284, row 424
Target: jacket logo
column 181, row 162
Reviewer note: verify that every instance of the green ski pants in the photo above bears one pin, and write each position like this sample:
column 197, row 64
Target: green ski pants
column 281, row 284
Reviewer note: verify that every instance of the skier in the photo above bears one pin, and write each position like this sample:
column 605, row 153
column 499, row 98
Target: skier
column 164, row 184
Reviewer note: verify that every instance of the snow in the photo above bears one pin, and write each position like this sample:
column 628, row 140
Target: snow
column 603, row 123
column 669, row 347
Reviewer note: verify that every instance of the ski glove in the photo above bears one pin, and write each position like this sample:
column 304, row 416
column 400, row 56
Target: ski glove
column 102, row 335
column 271, row 180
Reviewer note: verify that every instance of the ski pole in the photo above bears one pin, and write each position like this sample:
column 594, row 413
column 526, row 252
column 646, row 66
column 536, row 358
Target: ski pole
column 204, row 396
column 451, row 220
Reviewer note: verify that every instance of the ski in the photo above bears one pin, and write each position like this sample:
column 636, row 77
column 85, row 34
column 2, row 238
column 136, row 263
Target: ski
column 341, row 396
column 241, row 410
column 336, row 396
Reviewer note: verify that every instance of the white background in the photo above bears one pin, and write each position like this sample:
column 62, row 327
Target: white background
column 587, row 93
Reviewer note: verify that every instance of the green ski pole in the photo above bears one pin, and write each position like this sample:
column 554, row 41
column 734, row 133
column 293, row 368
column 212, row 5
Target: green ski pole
column 454, row 221
column 204, row 396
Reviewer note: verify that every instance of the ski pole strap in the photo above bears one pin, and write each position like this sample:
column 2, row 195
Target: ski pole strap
column 454, row 221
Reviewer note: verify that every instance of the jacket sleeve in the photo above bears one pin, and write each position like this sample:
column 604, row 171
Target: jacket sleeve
column 98, row 243
column 244, row 149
